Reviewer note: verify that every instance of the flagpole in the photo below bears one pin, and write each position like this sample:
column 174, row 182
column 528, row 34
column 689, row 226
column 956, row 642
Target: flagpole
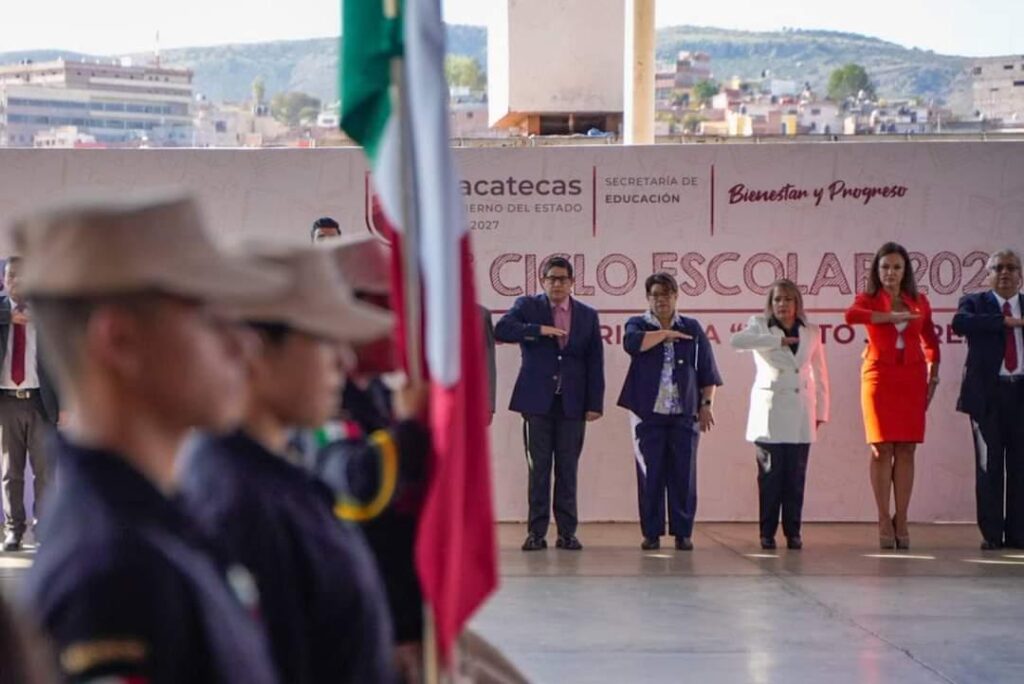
column 412, row 291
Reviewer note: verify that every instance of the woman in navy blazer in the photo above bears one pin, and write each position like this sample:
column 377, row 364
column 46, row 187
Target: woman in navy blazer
column 669, row 390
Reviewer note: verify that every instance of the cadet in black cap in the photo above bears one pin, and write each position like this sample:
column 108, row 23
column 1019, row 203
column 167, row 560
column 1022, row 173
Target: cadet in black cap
column 126, row 588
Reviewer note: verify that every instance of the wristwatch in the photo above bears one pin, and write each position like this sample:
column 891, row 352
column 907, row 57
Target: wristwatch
column 705, row 402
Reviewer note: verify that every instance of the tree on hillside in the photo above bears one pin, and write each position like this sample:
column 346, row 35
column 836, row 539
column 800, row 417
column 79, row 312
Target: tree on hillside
column 291, row 108
column 848, row 81
column 705, row 90
column 259, row 90
column 462, row 70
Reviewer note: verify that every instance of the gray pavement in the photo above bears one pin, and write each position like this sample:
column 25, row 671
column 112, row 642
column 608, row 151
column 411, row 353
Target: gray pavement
column 839, row 611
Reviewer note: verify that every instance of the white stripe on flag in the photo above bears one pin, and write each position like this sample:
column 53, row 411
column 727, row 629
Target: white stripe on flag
column 387, row 173
column 441, row 221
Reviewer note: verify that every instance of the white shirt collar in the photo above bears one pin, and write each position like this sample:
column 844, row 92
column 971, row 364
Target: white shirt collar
column 1014, row 301
column 649, row 317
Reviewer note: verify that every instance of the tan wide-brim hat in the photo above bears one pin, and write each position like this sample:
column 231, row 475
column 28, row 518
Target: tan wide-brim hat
column 153, row 241
column 318, row 301
column 364, row 262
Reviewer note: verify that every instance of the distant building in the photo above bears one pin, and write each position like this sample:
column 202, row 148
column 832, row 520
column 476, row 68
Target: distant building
column 236, row 125
column 556, row 66
column 692, row 68
column 900, row 118
column 674, row 83
column 779, row 87
column 727, row 98
column 467, row 118
column 820, row 118
column 64, row 137
column 328, row 119
column 114, row 102
column 997, row 87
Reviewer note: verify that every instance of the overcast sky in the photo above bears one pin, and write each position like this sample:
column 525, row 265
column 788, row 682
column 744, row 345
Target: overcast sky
column 963, row 27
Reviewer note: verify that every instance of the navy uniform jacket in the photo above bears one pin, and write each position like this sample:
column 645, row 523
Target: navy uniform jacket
column 320, row 595
column 580, row 364
column 980, row 319
column 127, row 587
column 352, row 468
column 695, row 366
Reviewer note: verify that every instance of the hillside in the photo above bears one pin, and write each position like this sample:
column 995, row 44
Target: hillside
column 226, row 72
column 810, row 56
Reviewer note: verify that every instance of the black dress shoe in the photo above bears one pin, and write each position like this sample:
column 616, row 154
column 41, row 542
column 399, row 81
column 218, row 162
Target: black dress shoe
column 570, row 543
column 12, row 542
column 650, row 543
column 794, row 543
column 684, row 544
column 990, row 545
column 767, row 544
column 534, row 543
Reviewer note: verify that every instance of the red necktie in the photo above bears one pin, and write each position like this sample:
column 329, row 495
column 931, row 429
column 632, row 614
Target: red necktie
column 1010, row 355
column 18, row 351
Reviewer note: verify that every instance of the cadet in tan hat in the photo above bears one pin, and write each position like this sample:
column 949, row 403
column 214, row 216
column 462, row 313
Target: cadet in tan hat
column 374, row 458
column 377, row 468
column 322, row 598
column 126, row 295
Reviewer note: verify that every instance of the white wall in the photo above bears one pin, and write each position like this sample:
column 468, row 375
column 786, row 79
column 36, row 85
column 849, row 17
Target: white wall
column 961, row 201
column 568, row 56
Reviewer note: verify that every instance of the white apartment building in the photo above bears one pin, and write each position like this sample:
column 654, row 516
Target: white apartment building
column 114, row 102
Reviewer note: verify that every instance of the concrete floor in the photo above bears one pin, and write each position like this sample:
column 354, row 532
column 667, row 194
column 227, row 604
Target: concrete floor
column 839, row 611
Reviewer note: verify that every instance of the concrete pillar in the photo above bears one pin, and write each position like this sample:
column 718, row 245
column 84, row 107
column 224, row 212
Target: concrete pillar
column 638, row 95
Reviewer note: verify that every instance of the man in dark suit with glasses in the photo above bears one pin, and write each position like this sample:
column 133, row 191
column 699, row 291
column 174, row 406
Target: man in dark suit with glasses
column 559, row 389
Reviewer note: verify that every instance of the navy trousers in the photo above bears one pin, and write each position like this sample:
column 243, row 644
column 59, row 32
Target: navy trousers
column 781, row 474
column 999, row 466
column 666, row 467
column 553, row 442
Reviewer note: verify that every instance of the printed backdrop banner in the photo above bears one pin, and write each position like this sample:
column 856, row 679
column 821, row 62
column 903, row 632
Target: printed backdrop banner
column 726, row 220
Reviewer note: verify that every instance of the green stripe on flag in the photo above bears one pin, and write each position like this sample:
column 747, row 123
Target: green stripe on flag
column 369, row 42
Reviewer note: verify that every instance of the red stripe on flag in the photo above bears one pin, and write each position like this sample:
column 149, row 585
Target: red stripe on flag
column 456, row 548
column 456, row 551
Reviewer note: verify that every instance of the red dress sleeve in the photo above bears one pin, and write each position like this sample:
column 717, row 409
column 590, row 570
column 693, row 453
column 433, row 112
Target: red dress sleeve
column 929, row 340
column 861, row 309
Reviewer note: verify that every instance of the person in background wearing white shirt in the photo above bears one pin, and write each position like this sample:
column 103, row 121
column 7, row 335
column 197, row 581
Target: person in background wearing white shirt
column 992, row 394
column 28, row 407
column 788, row 403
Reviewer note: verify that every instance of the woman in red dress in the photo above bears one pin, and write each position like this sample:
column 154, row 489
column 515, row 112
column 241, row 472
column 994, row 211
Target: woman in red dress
column 898, row 379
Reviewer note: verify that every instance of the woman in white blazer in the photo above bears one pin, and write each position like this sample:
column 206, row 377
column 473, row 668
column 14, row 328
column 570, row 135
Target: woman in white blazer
column 788, row 402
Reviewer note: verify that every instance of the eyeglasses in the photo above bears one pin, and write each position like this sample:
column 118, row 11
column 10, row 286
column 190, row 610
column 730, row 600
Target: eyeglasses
column 661, row 296
column 1009, row 268
column 557, row 280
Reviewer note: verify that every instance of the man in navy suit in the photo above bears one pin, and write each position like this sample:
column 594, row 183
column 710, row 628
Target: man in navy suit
column 992, row 394
column 560, row 387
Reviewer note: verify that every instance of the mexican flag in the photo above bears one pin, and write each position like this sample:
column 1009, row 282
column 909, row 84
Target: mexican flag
column 411, row 163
